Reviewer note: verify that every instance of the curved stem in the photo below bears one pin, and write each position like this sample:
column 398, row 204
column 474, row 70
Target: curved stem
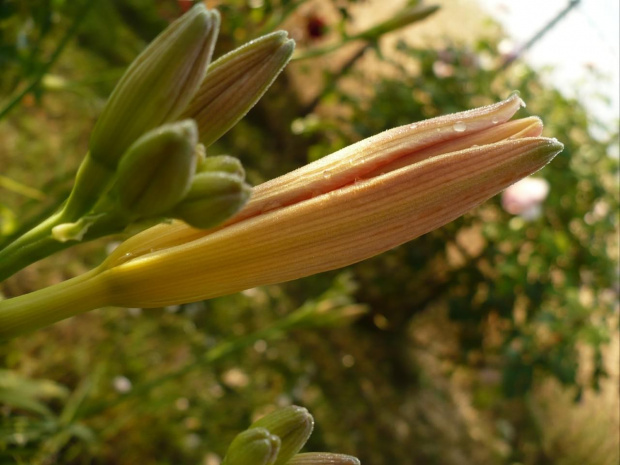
column 51, row 304
column 32, row 246
column 39, row 242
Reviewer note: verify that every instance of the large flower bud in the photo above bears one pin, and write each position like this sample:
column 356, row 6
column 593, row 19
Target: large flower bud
column 157, row 86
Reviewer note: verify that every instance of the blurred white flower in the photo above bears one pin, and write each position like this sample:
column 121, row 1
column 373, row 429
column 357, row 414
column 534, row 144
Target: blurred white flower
column 121, row 384
column 525, row 197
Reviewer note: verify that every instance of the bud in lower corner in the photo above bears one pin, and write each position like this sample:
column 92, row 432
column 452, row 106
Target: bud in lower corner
column 157, row 170
column 255, row 446
column 157, row 86
column 293, row 425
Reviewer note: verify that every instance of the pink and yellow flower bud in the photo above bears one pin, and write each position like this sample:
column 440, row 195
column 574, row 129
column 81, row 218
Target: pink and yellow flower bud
column 344, row 208
column 349, row 206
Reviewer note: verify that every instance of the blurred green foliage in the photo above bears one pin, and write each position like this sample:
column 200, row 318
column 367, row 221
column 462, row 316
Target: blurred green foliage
column 484, row 309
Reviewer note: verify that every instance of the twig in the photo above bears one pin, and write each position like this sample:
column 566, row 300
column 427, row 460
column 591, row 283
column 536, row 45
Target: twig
column 86, row 5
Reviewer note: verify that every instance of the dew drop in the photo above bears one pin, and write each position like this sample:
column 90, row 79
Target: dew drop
column 459, row 126
column 495, row 120
column 413, row 126
column 125, row 258
column 327, row 174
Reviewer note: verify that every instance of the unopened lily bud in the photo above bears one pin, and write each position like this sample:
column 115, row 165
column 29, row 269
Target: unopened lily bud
column 323, row 458
column 158, row 85
column 157, row 170
column 212, row 198
column 293, row 425
column 235, row 82
column 255, row 446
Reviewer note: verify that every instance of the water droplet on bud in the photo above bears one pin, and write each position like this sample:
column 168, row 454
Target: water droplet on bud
column 459, row 126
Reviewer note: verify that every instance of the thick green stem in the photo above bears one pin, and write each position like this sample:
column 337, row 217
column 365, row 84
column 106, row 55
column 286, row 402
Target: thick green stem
column 34, row 245
column 40, row 242
column 92, row 181
column 51, row 304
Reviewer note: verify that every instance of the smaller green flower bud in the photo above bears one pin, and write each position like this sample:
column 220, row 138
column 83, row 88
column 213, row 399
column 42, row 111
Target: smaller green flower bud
column 223, row 163
column 255, row 446
column 235, row 82
column 293, row 425
column 157, row 170
column 158, row 85
column 323, row 458
column 213, row 197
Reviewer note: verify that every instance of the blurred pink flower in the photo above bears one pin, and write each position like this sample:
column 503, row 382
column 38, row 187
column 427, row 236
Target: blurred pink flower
column 525, row 197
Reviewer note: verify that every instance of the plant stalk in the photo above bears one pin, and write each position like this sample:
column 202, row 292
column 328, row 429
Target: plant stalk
column 51, row 304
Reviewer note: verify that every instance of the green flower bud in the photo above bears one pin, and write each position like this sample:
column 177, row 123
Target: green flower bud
column 323, row 458
column 223, row 163
column 157, row 86
column 213, row 197
column 157, row 170
column 256, row 446
column 235, row 82
column 293, row 425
